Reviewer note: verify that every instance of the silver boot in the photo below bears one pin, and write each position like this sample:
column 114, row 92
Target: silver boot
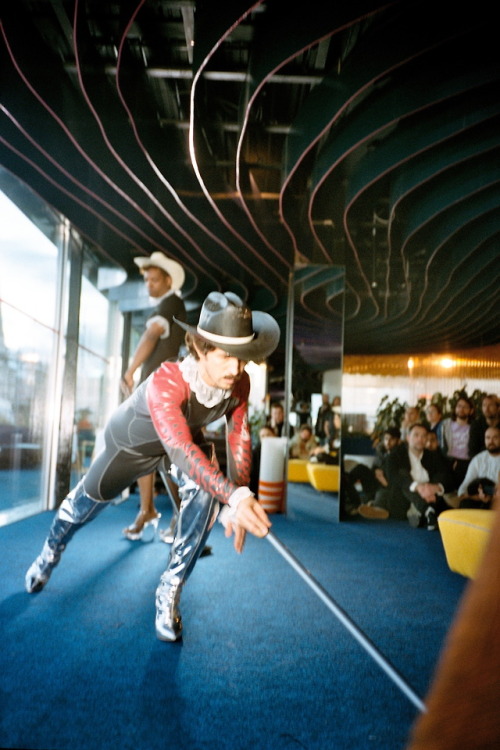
column 167, row 535
column 75, row 510
column 168, row 621
column 197, row 514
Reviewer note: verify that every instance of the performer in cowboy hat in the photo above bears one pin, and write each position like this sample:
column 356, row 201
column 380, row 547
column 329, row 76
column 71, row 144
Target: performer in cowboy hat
column 161, row 424
column 160, row 341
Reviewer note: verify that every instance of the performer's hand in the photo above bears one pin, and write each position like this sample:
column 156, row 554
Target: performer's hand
column 249, row 516
column 239, row 535
column 252, row 517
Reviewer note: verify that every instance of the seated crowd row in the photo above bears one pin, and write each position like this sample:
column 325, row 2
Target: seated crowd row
column 426, row 466
column 421, row 467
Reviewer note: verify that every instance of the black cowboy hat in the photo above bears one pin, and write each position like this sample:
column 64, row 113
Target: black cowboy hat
column 229, row 324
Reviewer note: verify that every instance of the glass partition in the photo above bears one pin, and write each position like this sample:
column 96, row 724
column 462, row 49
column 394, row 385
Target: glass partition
column 97, row 380
column 316, row 336
column 29, row 274
column 57, row 379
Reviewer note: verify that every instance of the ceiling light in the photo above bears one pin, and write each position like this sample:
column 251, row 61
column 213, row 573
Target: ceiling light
column 447, row 362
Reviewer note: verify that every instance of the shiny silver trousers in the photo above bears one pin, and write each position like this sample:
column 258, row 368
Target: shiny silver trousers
column 75, row 510
column 197, row 515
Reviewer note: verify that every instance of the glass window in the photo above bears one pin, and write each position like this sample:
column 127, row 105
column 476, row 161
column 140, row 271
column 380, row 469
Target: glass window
column 97, row 388
column 35, row 244
column 28, row 294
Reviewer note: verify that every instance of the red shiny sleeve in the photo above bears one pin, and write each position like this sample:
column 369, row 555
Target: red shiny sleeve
column 166, row 393
column 239, row 445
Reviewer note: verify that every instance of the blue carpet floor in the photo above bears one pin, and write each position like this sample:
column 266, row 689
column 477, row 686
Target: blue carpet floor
column 263, row 662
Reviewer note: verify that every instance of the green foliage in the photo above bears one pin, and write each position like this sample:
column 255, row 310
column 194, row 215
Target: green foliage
column 477, row 400
column 389, row 414
column 421, row 404
column 439, row 400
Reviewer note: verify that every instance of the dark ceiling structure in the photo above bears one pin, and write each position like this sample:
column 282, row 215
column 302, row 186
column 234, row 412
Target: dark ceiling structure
column 248, row 139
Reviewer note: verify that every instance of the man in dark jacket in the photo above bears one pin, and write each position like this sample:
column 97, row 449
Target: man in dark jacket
column 418, row 479
column 490, row 417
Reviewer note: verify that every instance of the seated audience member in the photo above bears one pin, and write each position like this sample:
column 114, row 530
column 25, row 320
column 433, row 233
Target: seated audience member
column 476, row 491
column 490, row 417
column 264, row 431
column 327, row 453
column 411, row 416
column 373, row 502
column 374, row 481
column 390, row 440
column 351, row 503
column 418, row 479
column 456, row 439
column 303, row 443
column 434, row 415
column 277, row 421
column 432, row 442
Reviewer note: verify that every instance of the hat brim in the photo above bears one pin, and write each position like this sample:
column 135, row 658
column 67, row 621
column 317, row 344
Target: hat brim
column 263, row 344
column 174, row 269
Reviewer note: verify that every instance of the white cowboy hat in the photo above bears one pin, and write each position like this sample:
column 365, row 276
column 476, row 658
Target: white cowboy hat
column 230, row 325
column 159, row 260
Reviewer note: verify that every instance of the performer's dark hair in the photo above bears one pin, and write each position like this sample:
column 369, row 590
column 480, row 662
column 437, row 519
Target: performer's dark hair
column 394, row 432
column 203, row 346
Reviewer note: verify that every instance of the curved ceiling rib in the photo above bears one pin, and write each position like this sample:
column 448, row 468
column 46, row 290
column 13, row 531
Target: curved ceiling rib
column 357, row 134
column 379, row 56
column 395, row 157
column 84, row 151
column 269, row 57
column 225, row 32
column 246, row 138
column 80, row 186
column 196, row 265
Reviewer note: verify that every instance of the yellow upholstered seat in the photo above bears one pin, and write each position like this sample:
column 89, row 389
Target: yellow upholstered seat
column 297, row 470
column 465, row 534
column 323, row 477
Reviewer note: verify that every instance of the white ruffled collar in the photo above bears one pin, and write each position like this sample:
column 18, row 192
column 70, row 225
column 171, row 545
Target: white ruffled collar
column 206, row 394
